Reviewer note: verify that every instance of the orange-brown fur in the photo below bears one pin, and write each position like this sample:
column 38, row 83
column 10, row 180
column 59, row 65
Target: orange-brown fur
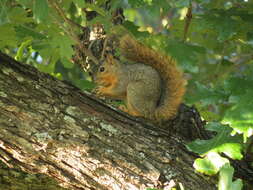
column 109, row 82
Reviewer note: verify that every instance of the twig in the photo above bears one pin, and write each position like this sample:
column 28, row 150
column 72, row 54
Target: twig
column 187, row 20
column 61, row 13
column 104, row 49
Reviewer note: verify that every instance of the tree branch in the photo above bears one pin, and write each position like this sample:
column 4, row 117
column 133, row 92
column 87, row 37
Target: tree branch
column 50, row 127
column 188, row 19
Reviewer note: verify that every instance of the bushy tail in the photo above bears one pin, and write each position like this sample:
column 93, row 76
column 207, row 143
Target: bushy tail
column 172, row 77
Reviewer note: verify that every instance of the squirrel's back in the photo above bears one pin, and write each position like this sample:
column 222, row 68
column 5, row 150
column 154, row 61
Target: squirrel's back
column 172, row 78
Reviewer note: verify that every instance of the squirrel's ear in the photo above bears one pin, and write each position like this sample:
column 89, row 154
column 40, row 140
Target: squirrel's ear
column 110, row 59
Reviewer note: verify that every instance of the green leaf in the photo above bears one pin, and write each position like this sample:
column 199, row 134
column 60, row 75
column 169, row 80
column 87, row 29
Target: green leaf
column 25, row 3
column 67, row 63
column 225, row 179
column 64, row 44
column 84, row 84
column 163, row 5
column 40, row 10
column 3, row 12
column 20, row 52
column 182, row 3
column 190, row 52
column 136, row 3
column 50, row 55
column 106, row 20
column 223, row 142
column 18, row 15
column 225, row 23
column 206, row 94
column 99, row 10
column 47, row 68
column 132, row 28
column 41, row 45
column 211, row 164
column 7, row 36
column 80, row 3
column 24, row 31
column 240, row 115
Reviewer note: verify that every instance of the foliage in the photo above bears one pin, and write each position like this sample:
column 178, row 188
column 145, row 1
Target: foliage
column 223, row 142
column 225, row 182
column 215, row 52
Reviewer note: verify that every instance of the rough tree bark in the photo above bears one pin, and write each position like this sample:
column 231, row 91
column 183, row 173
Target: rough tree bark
column 49, row 126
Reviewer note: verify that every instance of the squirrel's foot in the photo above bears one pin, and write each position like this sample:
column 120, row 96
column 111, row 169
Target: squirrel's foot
column 98, row 91
column 130, row 112
column 123, row 108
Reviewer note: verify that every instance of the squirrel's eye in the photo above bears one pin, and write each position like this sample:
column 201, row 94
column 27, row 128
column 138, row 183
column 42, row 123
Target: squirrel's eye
column 101, row 69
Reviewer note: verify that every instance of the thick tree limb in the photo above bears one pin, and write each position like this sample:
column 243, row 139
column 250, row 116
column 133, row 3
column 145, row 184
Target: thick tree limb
column 48, row 126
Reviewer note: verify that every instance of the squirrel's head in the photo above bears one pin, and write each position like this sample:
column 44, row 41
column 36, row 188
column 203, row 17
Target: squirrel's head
column 107, row 69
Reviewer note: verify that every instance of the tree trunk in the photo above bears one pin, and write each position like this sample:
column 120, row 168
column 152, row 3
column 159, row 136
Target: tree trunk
column 48, row 126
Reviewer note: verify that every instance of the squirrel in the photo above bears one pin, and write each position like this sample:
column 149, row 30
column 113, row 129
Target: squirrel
column 152, row 88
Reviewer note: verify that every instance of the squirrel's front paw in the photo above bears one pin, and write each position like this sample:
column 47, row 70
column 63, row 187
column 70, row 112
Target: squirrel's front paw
column 98, row 91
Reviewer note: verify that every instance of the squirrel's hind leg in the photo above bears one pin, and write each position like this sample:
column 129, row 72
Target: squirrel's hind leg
column 140, row 100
